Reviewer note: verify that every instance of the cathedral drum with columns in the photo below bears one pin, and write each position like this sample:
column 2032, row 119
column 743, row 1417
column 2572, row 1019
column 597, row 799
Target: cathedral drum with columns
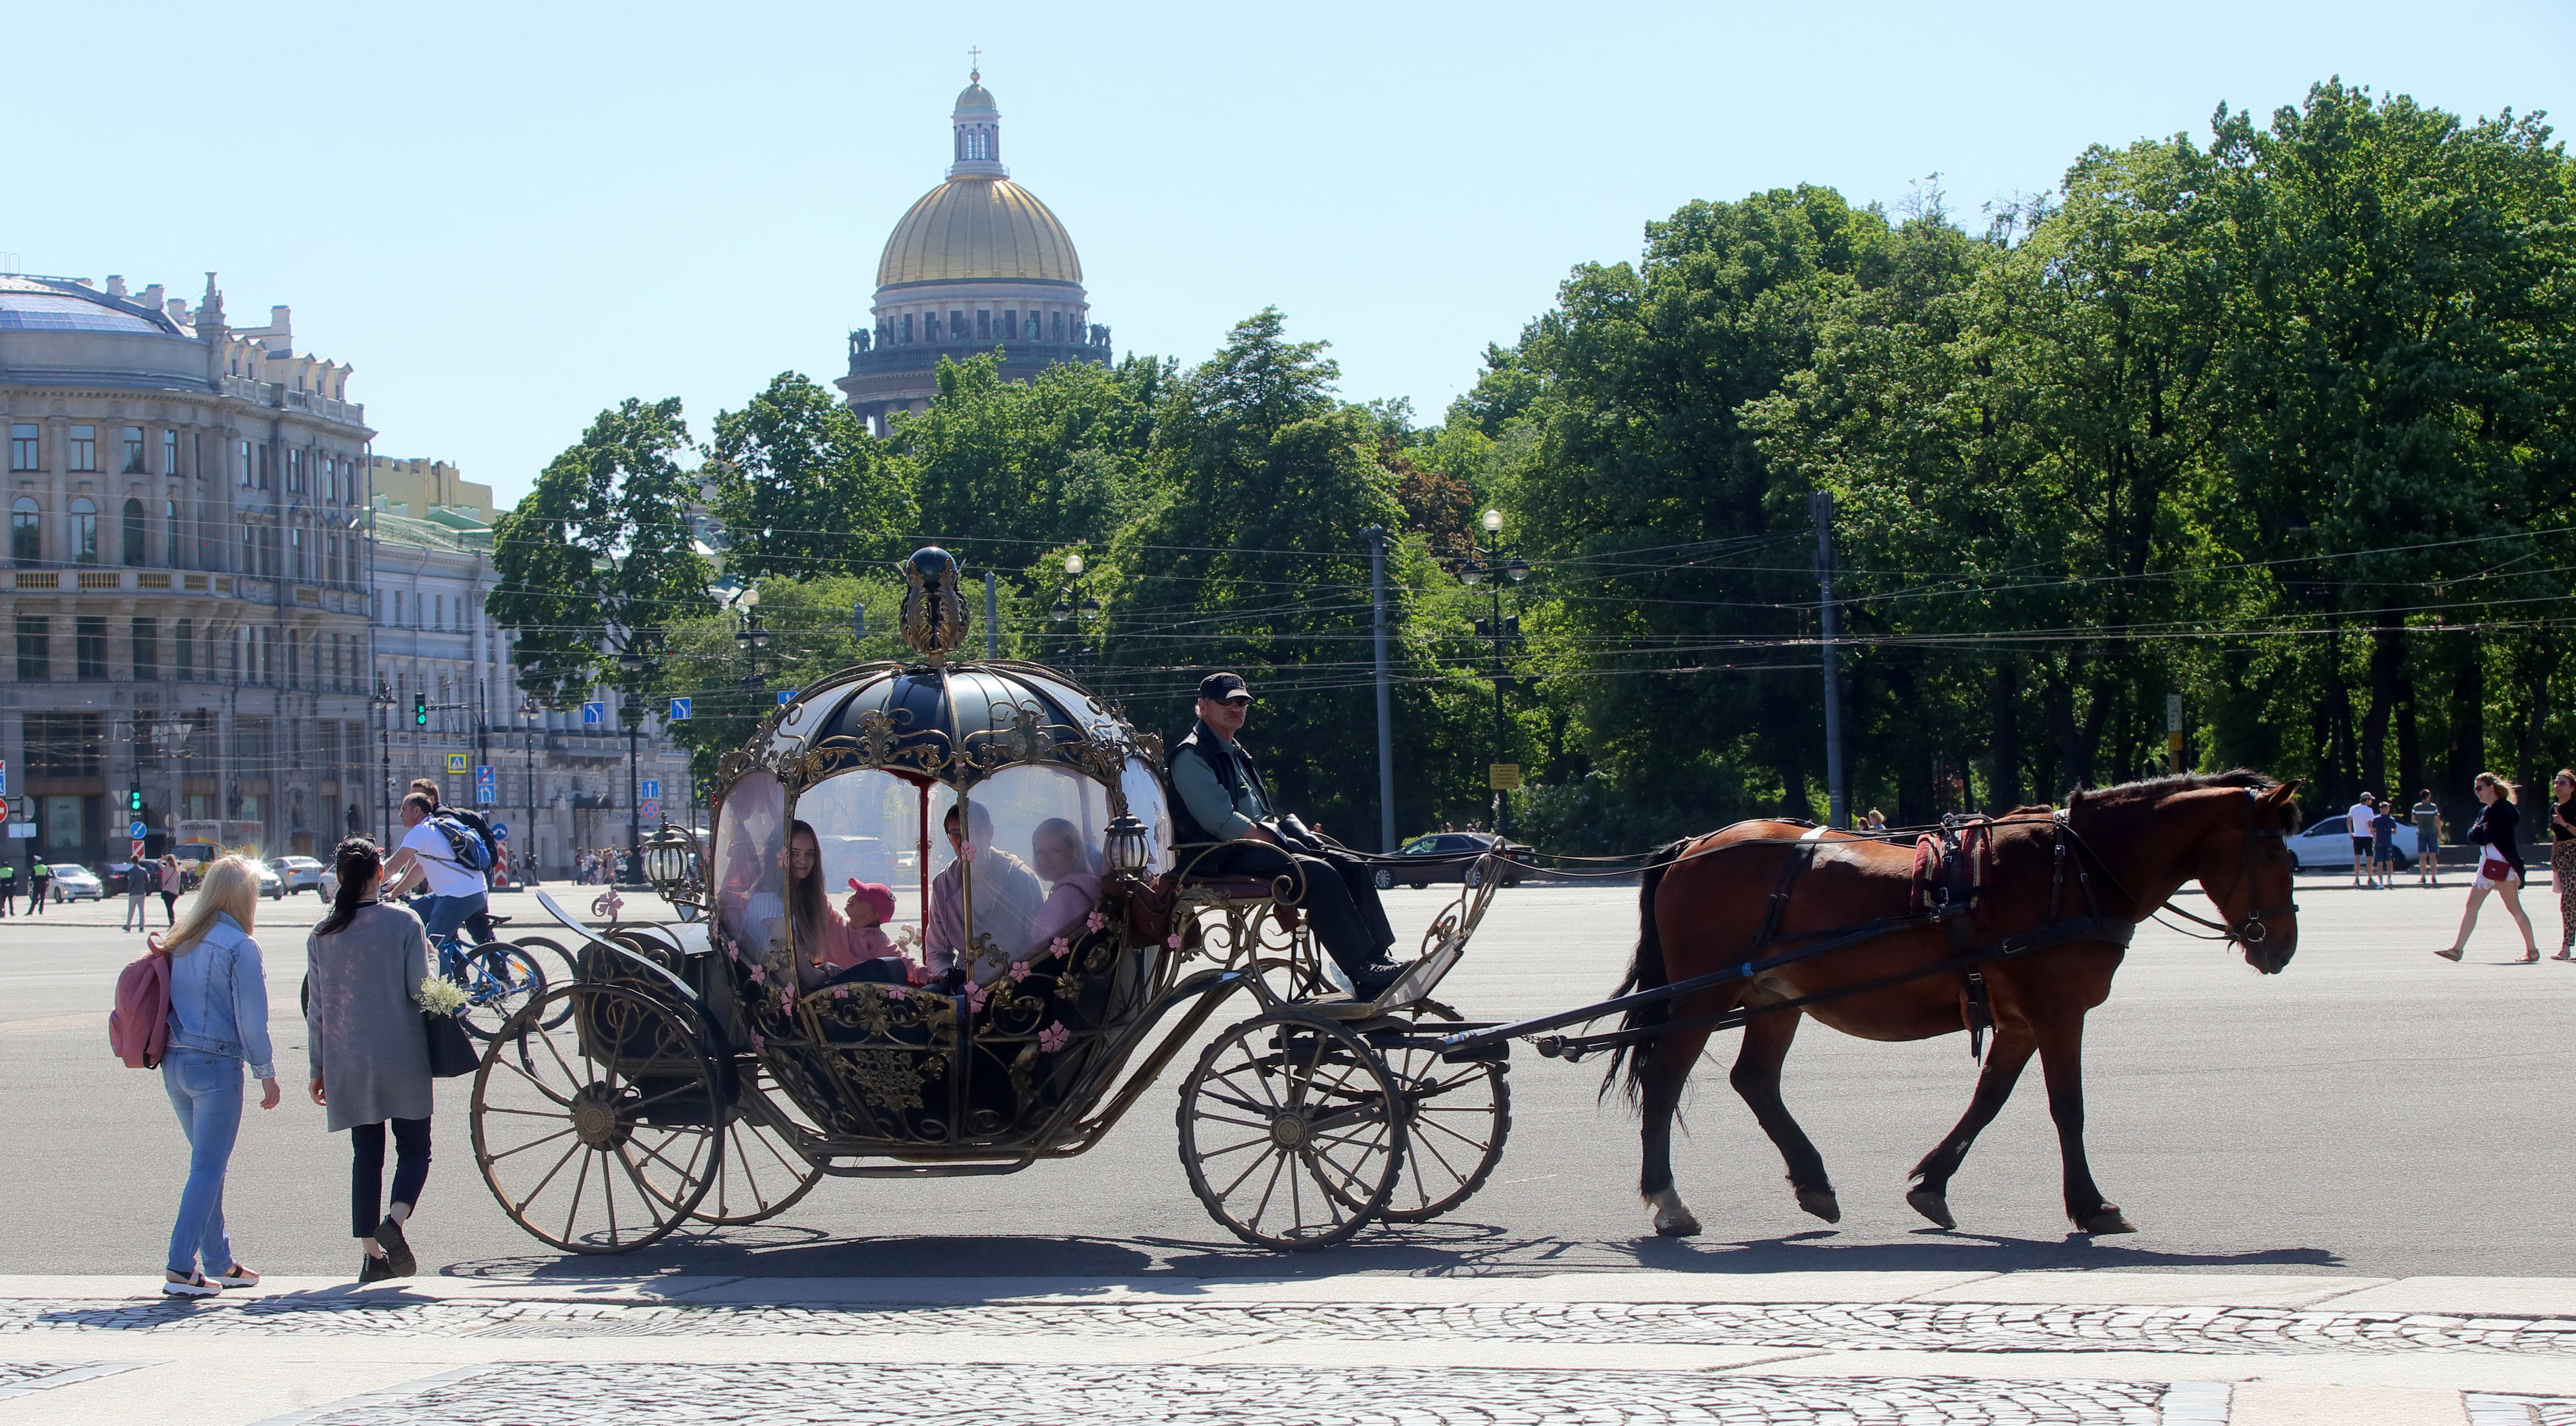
column 979, row 264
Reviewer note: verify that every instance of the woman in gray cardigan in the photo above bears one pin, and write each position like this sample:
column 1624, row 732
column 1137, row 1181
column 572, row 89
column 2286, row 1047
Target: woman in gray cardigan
column 369, row 1056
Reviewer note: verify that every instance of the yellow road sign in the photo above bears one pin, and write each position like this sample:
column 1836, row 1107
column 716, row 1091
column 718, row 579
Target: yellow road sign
column 1503, row 777
column 456, row 763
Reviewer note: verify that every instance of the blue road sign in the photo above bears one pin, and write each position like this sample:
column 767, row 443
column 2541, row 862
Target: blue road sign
column 138, row 830
column 4, row 779
column 679, row 710
column 594, row 713
column 787, row 696
column 500, row 831
column 652, row 791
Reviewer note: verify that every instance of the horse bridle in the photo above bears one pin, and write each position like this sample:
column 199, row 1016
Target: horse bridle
column 2249, row 932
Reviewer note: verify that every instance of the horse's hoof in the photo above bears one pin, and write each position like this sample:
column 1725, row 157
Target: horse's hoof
column 1935, row 1206
column 1822, row 1203
column 1672, row 1220
column 2106, row 1220
column 1682, row 1227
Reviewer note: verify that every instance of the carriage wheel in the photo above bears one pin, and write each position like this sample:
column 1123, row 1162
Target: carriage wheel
column 1286, row 1130
column 1458, row 1117
column 600, row 1134
column 761, row 1176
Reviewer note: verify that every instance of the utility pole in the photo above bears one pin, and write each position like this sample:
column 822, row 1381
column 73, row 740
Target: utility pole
column 1385, row 716
column 992, row 619
column 1820, row 506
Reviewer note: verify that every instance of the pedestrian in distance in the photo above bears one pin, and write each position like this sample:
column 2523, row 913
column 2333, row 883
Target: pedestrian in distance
column 171, row 879
column 2499, row 866
column 218, row 1023
column 1875, row 822
column 368, row 1056
column 2383, row 848
column 37, row 877
column 2428, row 839
column 139, row 880
column 2562, row 858
column 2357, row 819
column 8, row 887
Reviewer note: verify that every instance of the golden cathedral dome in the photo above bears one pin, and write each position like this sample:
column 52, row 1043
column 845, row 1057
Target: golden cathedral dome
column 973, row 227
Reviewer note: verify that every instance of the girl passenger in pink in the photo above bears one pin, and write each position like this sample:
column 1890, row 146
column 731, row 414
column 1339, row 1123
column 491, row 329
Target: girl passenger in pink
column 837, row 945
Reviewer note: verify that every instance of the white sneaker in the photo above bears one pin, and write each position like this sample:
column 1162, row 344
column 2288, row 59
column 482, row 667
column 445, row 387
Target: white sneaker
column 195, row 1286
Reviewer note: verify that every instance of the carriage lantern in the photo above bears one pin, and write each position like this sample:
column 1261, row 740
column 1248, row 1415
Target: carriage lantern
column 1126, row 846
column 666, row 858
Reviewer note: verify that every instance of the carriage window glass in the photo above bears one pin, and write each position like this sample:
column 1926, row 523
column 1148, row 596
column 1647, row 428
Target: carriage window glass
column 1034, row 829
column 867, row 827
column 750, row 850
column 1145, row 801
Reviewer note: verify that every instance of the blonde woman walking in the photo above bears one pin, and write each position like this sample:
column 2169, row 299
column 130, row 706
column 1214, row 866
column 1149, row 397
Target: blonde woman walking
column 218, row 1023
column 2499, row 866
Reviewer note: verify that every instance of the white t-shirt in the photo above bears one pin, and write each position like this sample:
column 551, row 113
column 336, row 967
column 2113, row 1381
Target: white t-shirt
column 446, row 876
column 2361, row 816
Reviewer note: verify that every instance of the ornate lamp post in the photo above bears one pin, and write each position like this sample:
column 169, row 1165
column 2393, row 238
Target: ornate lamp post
column 1072, row 617
column 383, row 702
column 631, row 663
column 1483, row 561
column 529, row 711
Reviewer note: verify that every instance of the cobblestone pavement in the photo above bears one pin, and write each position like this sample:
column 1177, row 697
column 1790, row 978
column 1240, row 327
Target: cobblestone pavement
column 917, row 1395
column 19, row 1378
column 1945, row 1327
column 2488, row 1410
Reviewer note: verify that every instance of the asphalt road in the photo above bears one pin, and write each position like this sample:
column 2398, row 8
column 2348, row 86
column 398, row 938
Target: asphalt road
column 2373, row 1110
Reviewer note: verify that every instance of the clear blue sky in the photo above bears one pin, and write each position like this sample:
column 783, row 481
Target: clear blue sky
column 510, row 216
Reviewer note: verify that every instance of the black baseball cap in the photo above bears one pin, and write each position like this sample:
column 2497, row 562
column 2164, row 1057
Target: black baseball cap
column 1224, row 688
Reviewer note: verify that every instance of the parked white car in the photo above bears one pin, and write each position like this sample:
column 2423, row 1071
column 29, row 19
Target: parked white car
column 2329, row 844
column 74, row 882
column 299, row 873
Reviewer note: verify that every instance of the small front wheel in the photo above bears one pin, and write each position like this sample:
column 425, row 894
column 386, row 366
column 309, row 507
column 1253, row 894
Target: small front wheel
column 499, row 978
column 1292, row 1131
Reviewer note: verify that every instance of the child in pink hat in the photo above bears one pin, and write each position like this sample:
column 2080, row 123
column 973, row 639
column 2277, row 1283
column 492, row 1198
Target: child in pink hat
column 861, row 951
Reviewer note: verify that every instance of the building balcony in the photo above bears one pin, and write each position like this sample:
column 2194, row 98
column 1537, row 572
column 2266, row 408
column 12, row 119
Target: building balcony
column 274, row 394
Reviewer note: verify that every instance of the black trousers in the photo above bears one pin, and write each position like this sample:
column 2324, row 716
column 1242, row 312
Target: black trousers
column 37, row 904
column 1341, row 898
column 367, row 1171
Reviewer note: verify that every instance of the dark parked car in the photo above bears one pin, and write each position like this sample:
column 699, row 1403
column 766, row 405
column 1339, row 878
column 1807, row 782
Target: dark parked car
column 1447, row 856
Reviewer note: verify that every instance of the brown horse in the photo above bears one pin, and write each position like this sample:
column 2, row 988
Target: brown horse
column 2109, row 861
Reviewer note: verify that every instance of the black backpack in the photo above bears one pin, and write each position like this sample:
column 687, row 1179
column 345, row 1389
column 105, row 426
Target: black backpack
column 481, row 826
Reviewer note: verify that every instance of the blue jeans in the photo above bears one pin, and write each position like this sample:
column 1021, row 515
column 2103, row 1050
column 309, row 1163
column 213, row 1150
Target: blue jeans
column 443, row 915
column 206, row 1091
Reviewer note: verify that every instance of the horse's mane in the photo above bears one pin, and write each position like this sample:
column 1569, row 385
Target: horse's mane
column 2147, row 790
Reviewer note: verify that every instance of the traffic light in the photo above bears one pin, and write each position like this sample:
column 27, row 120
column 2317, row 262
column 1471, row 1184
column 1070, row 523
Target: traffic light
column 420, row 710
column 134, row 801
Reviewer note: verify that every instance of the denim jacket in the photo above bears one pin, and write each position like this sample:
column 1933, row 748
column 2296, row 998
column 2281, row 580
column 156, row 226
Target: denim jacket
column 219, row 998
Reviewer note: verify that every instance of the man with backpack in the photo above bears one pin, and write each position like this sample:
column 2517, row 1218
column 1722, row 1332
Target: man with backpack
column 479, row 925
column 438, row 849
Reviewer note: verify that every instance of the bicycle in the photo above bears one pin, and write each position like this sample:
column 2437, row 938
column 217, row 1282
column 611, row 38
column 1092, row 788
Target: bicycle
column 497, row 978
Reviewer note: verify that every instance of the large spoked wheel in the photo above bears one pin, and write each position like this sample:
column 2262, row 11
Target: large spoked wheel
column 760, row 1176
column 1292, row 1131
column 602, row 1134
column 1457, row 1117
column 498, row 979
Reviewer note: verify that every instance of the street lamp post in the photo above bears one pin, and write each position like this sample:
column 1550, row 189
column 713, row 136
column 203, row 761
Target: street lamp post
column 528, row 712
column 383, row 703
column 630, row 711
column 1483, row 561
column 1066, row 611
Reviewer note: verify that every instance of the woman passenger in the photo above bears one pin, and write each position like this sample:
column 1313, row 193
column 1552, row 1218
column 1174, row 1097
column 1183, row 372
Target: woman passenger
column 1059, row 856
column 834, row 945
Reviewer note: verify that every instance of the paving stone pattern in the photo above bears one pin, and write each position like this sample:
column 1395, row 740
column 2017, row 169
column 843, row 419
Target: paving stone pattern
column 928, row 1395
column 2490, row 1410
column 1960, row 1327
column 19, row 1378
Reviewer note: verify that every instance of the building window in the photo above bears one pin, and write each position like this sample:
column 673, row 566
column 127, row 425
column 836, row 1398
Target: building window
column 183, row 647
column 84, row 530
column 1056, row 320
column 133, row 541
column 169, row 452
column 957, row 326
column 1010, row 322
column 983, row 324
column 170, row 523
column 24, row 446
column 35, row 647
column 89, row 646
column 133, row 452
column 26, row 533
column 438, row 611
column 296, row 556
column 84, row 444
column 907, row 336
column 147, row 652
column 266, row 459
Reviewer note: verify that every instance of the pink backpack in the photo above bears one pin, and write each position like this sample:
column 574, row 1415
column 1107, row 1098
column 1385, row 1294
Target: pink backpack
column 138, row 1029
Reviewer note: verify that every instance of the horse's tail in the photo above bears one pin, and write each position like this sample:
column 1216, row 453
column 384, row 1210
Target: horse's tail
column 1645, row 972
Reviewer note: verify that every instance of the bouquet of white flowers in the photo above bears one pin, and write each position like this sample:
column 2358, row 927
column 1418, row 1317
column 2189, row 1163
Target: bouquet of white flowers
column 440, row 996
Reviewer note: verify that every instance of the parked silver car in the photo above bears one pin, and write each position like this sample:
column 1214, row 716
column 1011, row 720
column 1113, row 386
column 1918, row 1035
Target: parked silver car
column 299, row 873
column 2329, row 844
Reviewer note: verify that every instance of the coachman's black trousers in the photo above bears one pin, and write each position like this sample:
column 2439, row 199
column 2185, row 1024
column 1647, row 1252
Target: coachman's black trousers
column 1341, row 899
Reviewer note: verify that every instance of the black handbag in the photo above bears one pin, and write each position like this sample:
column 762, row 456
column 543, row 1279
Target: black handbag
column 451, row 1053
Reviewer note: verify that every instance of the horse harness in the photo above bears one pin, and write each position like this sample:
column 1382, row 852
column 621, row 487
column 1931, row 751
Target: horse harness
column 1953, row 870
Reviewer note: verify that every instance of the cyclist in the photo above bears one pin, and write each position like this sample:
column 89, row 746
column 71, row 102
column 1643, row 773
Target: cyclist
column 479, row 924
column 456, row 890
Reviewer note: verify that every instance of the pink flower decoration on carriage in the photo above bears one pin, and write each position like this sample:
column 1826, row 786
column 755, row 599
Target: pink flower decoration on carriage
column 1054, row 1037
column 975, row 996
column 1058, row 946
column 759, row 975
column 840, row 992
column 897, row 992
column 786, row 999
column 758, row 1045
column 1173, row 940
column 1019, row 971
column 1096, row 922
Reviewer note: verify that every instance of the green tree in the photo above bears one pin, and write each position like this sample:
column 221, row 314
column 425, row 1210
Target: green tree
column 801, row 488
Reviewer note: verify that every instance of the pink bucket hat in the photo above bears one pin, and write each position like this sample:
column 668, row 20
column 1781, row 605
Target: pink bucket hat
column 876, row 894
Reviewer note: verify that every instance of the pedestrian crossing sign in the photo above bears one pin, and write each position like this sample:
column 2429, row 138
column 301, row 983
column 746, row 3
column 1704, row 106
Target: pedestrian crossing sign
column 456, row 764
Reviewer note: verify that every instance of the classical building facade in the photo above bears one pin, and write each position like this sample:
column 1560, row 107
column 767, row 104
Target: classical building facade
column 187, row 582
column 558, row 784
column 979, row 263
